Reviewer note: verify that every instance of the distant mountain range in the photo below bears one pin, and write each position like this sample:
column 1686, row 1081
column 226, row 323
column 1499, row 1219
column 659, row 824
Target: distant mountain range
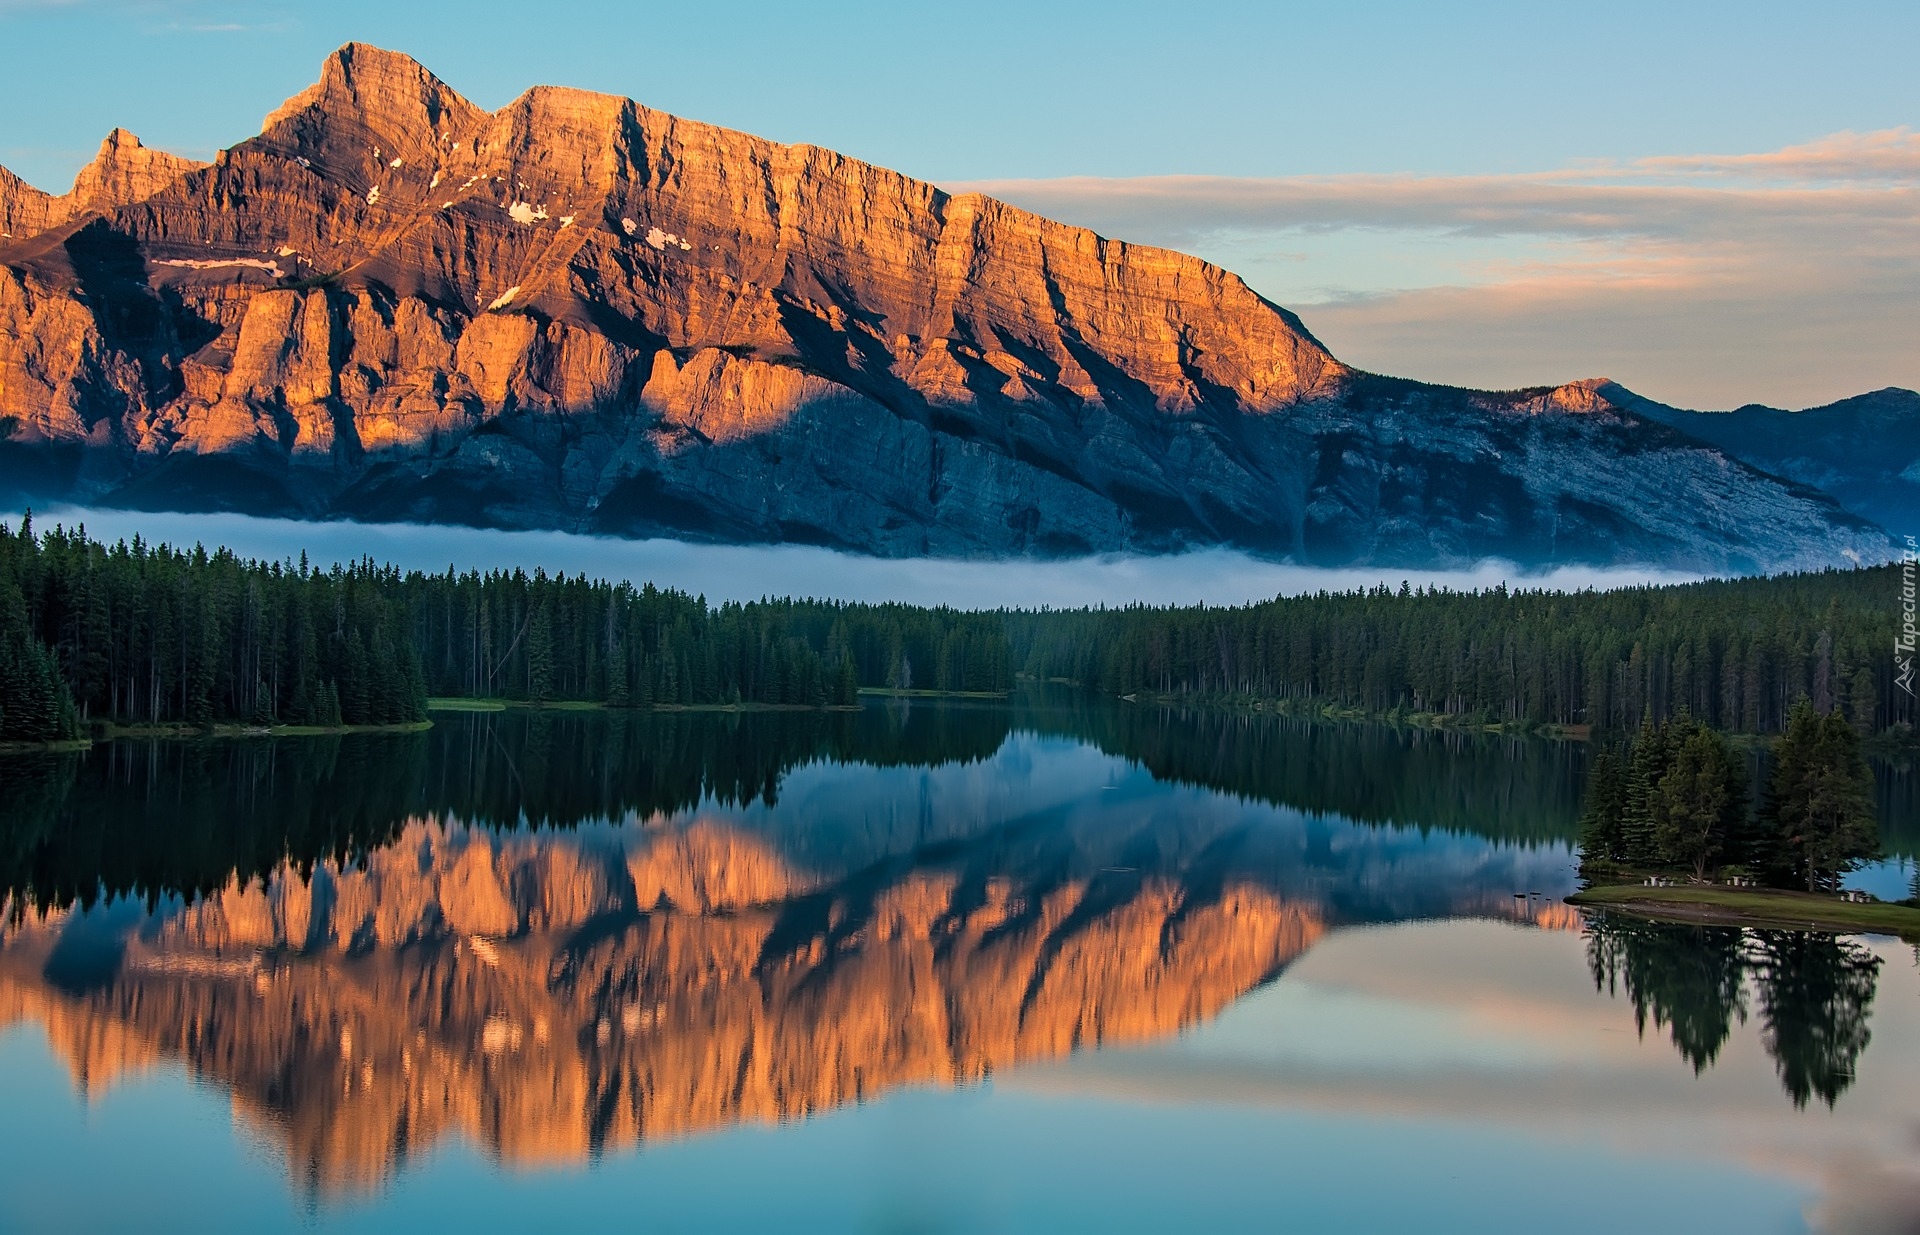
column 577, row 313
column 1863, row 451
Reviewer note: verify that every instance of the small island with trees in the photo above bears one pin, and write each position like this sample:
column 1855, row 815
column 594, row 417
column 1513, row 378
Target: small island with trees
column 1670, row 829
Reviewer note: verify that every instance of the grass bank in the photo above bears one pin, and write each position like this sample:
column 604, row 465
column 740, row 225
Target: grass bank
column 108, row 731
column 1753, row 907
column 103, row 731
column 1324, row 709
column 592, row 705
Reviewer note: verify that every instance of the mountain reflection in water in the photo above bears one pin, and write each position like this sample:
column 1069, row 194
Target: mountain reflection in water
column 560, row 934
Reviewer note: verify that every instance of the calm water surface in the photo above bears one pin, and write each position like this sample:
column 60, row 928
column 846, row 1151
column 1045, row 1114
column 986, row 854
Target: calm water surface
column 934, row 968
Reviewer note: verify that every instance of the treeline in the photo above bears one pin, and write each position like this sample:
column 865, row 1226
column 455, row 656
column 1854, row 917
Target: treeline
column 159, row 635
column 151, row 634
column 515, row 636
column 1734, row 653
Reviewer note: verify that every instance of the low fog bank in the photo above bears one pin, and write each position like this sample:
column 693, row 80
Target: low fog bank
column 750, row 572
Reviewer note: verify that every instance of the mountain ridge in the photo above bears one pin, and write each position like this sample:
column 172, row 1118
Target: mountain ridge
column 1863, row 450
column 579, row 313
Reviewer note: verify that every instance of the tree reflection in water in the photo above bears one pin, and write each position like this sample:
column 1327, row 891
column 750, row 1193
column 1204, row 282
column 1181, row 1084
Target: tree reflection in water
column 1814, row 993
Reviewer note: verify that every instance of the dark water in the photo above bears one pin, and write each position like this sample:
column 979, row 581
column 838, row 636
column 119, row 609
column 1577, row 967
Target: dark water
column 1032, row 967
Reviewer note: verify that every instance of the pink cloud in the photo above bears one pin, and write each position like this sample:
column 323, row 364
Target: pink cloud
column 1790, row 277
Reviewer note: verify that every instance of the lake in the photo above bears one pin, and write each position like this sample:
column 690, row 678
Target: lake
column 938, row 966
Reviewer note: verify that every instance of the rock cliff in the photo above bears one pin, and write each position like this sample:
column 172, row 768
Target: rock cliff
column 579, row 313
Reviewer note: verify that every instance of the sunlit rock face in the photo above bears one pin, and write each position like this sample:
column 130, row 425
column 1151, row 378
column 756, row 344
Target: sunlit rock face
column 123, row 172
column 550, row 995
column 579, row 313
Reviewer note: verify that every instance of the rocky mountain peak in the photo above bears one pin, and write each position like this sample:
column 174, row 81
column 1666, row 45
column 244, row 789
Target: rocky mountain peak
column 369, row 100
column 24, row 210
column 124, row 172
column 579, row 312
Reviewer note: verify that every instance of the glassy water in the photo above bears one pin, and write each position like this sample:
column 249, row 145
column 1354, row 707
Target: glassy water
column 932, row 968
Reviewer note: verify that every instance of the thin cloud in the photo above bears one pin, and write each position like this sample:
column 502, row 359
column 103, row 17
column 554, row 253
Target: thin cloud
column 1885, row 154
column 1790, row 277
column 1478, row 205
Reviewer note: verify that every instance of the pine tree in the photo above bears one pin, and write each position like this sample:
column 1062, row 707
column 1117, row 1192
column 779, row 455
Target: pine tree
column 1863, row 702
column 617, row 689
column 1700, row 801
column 356, row 701
column 1600, row 837
column 540, row 655
column 1818, row 820
column 35, row 704
column 1646, row 764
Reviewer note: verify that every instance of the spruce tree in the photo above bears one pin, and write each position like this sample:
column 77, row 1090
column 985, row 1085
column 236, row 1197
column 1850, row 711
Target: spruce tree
column 1600, row 838
column 1818, row 820
column 355, row 692
column 540, row 655
column 1700, row 801
column 617, row 689
column 1646, row 764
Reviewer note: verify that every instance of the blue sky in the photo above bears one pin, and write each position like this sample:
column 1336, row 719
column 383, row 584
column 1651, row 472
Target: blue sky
column 1328, row 147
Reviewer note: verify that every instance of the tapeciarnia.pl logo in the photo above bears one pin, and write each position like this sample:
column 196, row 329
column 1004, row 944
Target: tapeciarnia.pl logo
column 1903, row 643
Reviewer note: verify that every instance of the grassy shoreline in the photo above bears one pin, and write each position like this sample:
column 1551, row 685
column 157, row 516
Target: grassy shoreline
column 1324, row 709
column 107, row 731
column 453, row 704
column 1713, row 903
column 110, row 732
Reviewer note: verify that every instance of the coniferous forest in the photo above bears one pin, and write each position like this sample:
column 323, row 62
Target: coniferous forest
column 136, row 633
column 1736, row 654
column 142, row 633
column 1678, row 797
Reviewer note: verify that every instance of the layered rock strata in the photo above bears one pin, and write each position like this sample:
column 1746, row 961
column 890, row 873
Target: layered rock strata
column 579, row 313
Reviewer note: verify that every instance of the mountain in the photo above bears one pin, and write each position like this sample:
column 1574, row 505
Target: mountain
column 1865, row 451
column 578, row 313
column 123, row 172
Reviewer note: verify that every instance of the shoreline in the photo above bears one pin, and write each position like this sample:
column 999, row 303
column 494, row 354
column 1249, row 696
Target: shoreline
column 456, row 704
column 1321, row 709
column 1715, row 904
column 110, row 732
